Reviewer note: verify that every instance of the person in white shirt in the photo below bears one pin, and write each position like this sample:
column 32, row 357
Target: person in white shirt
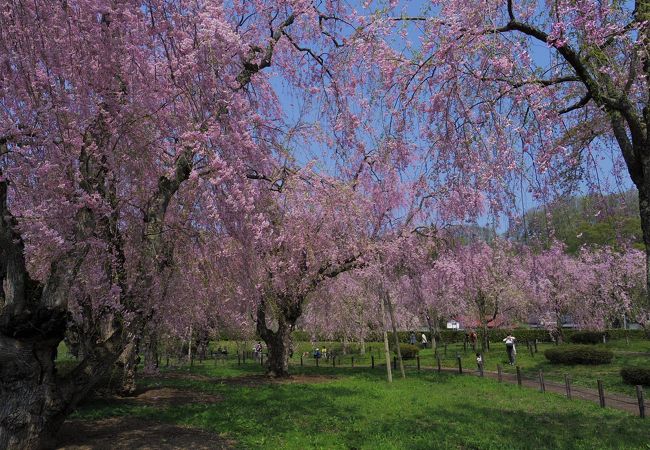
column 424, row 340
column 510, row 348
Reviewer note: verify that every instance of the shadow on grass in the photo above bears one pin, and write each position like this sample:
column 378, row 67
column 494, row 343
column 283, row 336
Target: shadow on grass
column 359, row 410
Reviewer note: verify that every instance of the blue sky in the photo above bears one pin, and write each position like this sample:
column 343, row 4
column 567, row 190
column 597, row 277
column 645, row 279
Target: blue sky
column 294, row 110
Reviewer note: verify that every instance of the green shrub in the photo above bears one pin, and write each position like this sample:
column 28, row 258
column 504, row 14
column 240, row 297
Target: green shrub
column 620, row 333
column 578, row 354
column 586, row 337
column 636, row 375
column 408, row 351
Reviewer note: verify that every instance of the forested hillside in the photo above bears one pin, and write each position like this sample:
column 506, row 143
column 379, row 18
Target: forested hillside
column 584, row 220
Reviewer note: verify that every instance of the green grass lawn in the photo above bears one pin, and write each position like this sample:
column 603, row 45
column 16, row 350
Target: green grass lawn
column 581, row 375
column 358, row 409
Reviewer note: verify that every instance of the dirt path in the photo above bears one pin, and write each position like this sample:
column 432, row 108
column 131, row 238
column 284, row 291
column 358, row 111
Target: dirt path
column 127, row 432
column 612, row 400
column 137, row 433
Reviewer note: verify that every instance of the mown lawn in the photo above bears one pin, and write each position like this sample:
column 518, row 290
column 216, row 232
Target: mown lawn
column 581, row 375
column 358, row 409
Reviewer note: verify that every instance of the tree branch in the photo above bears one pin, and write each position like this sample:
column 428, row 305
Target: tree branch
column 582, row 102
column 250, row 67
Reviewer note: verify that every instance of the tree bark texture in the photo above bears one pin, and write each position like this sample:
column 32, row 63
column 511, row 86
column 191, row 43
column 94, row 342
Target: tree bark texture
column 278, row 342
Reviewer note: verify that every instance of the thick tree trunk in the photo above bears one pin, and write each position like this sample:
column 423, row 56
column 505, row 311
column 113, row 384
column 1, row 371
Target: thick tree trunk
column 35, row 401
column 32, row 407
column 278, row 344
column 129, row 361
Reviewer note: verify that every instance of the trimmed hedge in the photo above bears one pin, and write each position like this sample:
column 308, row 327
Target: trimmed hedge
column 578, row 354
column 587, row 337
column 636, row 375
column 408, row 351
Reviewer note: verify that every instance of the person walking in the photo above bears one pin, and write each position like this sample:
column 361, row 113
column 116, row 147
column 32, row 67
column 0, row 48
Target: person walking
column 412, row 339
column 424, row 340
column 510, row 348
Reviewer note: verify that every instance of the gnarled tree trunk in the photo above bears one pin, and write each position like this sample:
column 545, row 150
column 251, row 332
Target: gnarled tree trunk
column 129, row 360
column 278, row 342
column 32, row 406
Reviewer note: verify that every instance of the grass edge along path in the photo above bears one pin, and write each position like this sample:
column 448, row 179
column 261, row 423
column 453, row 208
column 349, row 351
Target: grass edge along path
column 359, row 410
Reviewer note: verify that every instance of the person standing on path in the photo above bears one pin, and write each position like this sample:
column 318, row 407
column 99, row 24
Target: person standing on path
column 424, row 340
column 510, row 348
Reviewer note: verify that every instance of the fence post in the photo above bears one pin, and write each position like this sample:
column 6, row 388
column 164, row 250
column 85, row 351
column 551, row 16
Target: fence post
column 238, row 358
column 639, row 397
column 499, row 373
column 372, row 361
column 261, row 359
column 518, row 376
column 567, row 385
column 418, row 360
column 333, row 361
column 395, row 362
column 460, row 365
column 439, row 365
column 317, row 361
column 542, row 386
column 530, row 347
column 301, row 363
column 601, row 393
column 352, row 361
column 535, row 345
